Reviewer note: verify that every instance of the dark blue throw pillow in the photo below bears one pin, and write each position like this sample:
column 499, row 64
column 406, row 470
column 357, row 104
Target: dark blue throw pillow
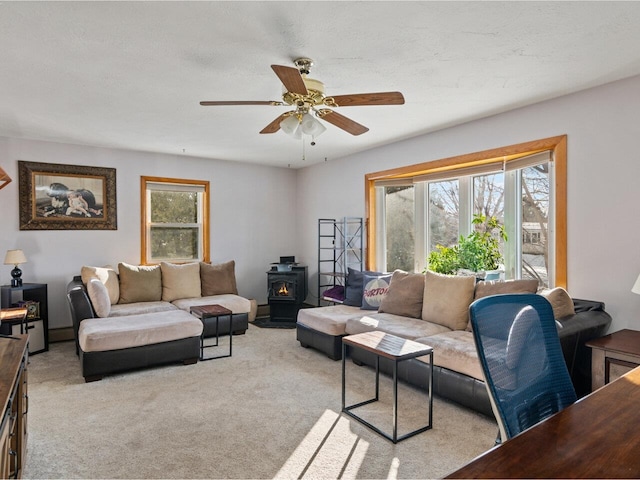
column 353, row 293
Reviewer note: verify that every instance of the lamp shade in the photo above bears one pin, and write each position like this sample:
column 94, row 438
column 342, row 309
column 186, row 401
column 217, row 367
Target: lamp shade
column 290, row 124
column 14, row 257
column 311, row 126
column 636, row 286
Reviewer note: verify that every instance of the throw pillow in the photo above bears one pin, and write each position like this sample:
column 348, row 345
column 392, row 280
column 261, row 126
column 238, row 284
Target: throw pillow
column 498, row 287
column 140, row 283
column 374, row 289
column 560, row 301
column 180, row 281
column 405, row 295
column 447, row 298
column 107, row 275
column 99, row 297
column 218, row 279
column 353, row 290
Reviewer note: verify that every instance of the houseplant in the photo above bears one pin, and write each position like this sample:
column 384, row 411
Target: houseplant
column 478, row 253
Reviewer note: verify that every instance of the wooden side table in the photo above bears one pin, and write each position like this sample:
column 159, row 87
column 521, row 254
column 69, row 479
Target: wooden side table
column 395, row 349
column 204, row 313
column 613, row 355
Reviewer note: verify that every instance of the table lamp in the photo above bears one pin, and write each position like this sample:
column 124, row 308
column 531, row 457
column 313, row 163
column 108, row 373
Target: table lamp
column 15, row 258
column 636, row 286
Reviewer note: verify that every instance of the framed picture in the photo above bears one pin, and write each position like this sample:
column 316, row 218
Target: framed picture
column 66, row 197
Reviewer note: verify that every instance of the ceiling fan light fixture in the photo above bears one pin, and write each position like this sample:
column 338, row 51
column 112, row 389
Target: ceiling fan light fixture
column 290, row 125
column 311, row 126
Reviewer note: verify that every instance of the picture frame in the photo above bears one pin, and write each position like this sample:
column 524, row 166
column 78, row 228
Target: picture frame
column 66, row 197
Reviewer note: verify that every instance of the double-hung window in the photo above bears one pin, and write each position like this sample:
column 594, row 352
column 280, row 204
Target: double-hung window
column 175, row 226
column 414, row 209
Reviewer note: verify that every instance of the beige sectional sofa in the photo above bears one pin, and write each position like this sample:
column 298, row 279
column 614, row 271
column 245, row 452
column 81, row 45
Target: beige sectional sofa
column 433, row 309
column 139, row 316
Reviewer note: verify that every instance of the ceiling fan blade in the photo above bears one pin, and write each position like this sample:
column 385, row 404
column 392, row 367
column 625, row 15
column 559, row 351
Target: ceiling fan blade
column 380, row 98
column 340, row 121
column 291, row 79
column 241, row 102
column 274, row 126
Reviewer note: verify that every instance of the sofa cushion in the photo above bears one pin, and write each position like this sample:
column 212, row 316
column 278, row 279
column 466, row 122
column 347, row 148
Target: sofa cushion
column 218, row 279
column 560, row 301
column 331, row 320
column 405, row 327
column 456, row 351
column 235, row 303
column 139, row 283
column 447, row 298
column 180, row 281
column 353, row 290
column 107, row 275
column 99, row 297
column 499, row 287
column 374, row 289
column 137, row 308
column 115, row 333
column 405, row 294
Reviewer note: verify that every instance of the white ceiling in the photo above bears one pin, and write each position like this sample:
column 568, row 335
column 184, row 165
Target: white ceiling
column 131, row 74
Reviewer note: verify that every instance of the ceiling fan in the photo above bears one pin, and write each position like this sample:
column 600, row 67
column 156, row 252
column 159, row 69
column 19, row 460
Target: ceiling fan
column 307, row 96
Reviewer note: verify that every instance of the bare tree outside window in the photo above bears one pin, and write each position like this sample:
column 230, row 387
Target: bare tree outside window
column 535, row 218
column 400, row 227
column 444, row 213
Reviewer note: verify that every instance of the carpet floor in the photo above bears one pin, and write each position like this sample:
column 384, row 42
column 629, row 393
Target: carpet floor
column 270, row 411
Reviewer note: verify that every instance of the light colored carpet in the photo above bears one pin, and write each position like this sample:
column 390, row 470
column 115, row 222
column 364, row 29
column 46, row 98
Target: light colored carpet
column 270, row 411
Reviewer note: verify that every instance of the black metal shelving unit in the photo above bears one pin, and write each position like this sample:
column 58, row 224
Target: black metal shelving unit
column 340, row 247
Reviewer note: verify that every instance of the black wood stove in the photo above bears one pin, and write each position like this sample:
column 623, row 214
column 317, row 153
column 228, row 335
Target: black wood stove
column 288, row 289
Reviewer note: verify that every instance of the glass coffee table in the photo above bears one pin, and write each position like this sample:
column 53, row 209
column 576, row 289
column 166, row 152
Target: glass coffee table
column 397, row 350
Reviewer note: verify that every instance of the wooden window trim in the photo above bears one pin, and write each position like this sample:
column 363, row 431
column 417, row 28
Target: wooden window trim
column 558, row 145
column 143, row 213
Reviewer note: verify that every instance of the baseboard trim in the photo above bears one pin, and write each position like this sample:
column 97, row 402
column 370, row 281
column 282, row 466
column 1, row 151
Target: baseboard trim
column 60, row 334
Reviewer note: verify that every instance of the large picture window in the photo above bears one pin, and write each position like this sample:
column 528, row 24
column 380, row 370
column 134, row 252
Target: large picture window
column 175, row 215
column 522, row 186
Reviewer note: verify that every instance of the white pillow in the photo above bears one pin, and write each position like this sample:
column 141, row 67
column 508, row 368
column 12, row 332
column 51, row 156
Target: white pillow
column 107, row 275
column 99, row 297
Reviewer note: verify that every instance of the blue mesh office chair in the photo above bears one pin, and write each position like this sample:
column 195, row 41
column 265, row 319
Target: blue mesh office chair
column 519, row 349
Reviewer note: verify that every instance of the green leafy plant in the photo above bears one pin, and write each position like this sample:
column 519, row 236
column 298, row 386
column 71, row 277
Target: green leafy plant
column 478, row 251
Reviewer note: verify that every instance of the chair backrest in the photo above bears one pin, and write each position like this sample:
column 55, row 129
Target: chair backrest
column 519, row 349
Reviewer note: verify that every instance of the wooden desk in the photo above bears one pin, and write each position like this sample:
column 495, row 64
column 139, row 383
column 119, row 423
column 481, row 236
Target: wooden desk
column 613, row 355
column 15, row 405
column 594, row 438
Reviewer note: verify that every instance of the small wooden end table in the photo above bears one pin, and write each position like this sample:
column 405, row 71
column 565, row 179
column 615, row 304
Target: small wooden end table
column 395, row 349
column 613, row 355
column 204, row 312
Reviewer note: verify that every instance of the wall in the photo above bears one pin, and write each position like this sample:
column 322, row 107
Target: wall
column 243, row 213
column 603, row 127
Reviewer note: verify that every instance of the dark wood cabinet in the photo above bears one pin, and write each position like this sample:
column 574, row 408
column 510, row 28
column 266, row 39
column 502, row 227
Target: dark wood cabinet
column 36, row 324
